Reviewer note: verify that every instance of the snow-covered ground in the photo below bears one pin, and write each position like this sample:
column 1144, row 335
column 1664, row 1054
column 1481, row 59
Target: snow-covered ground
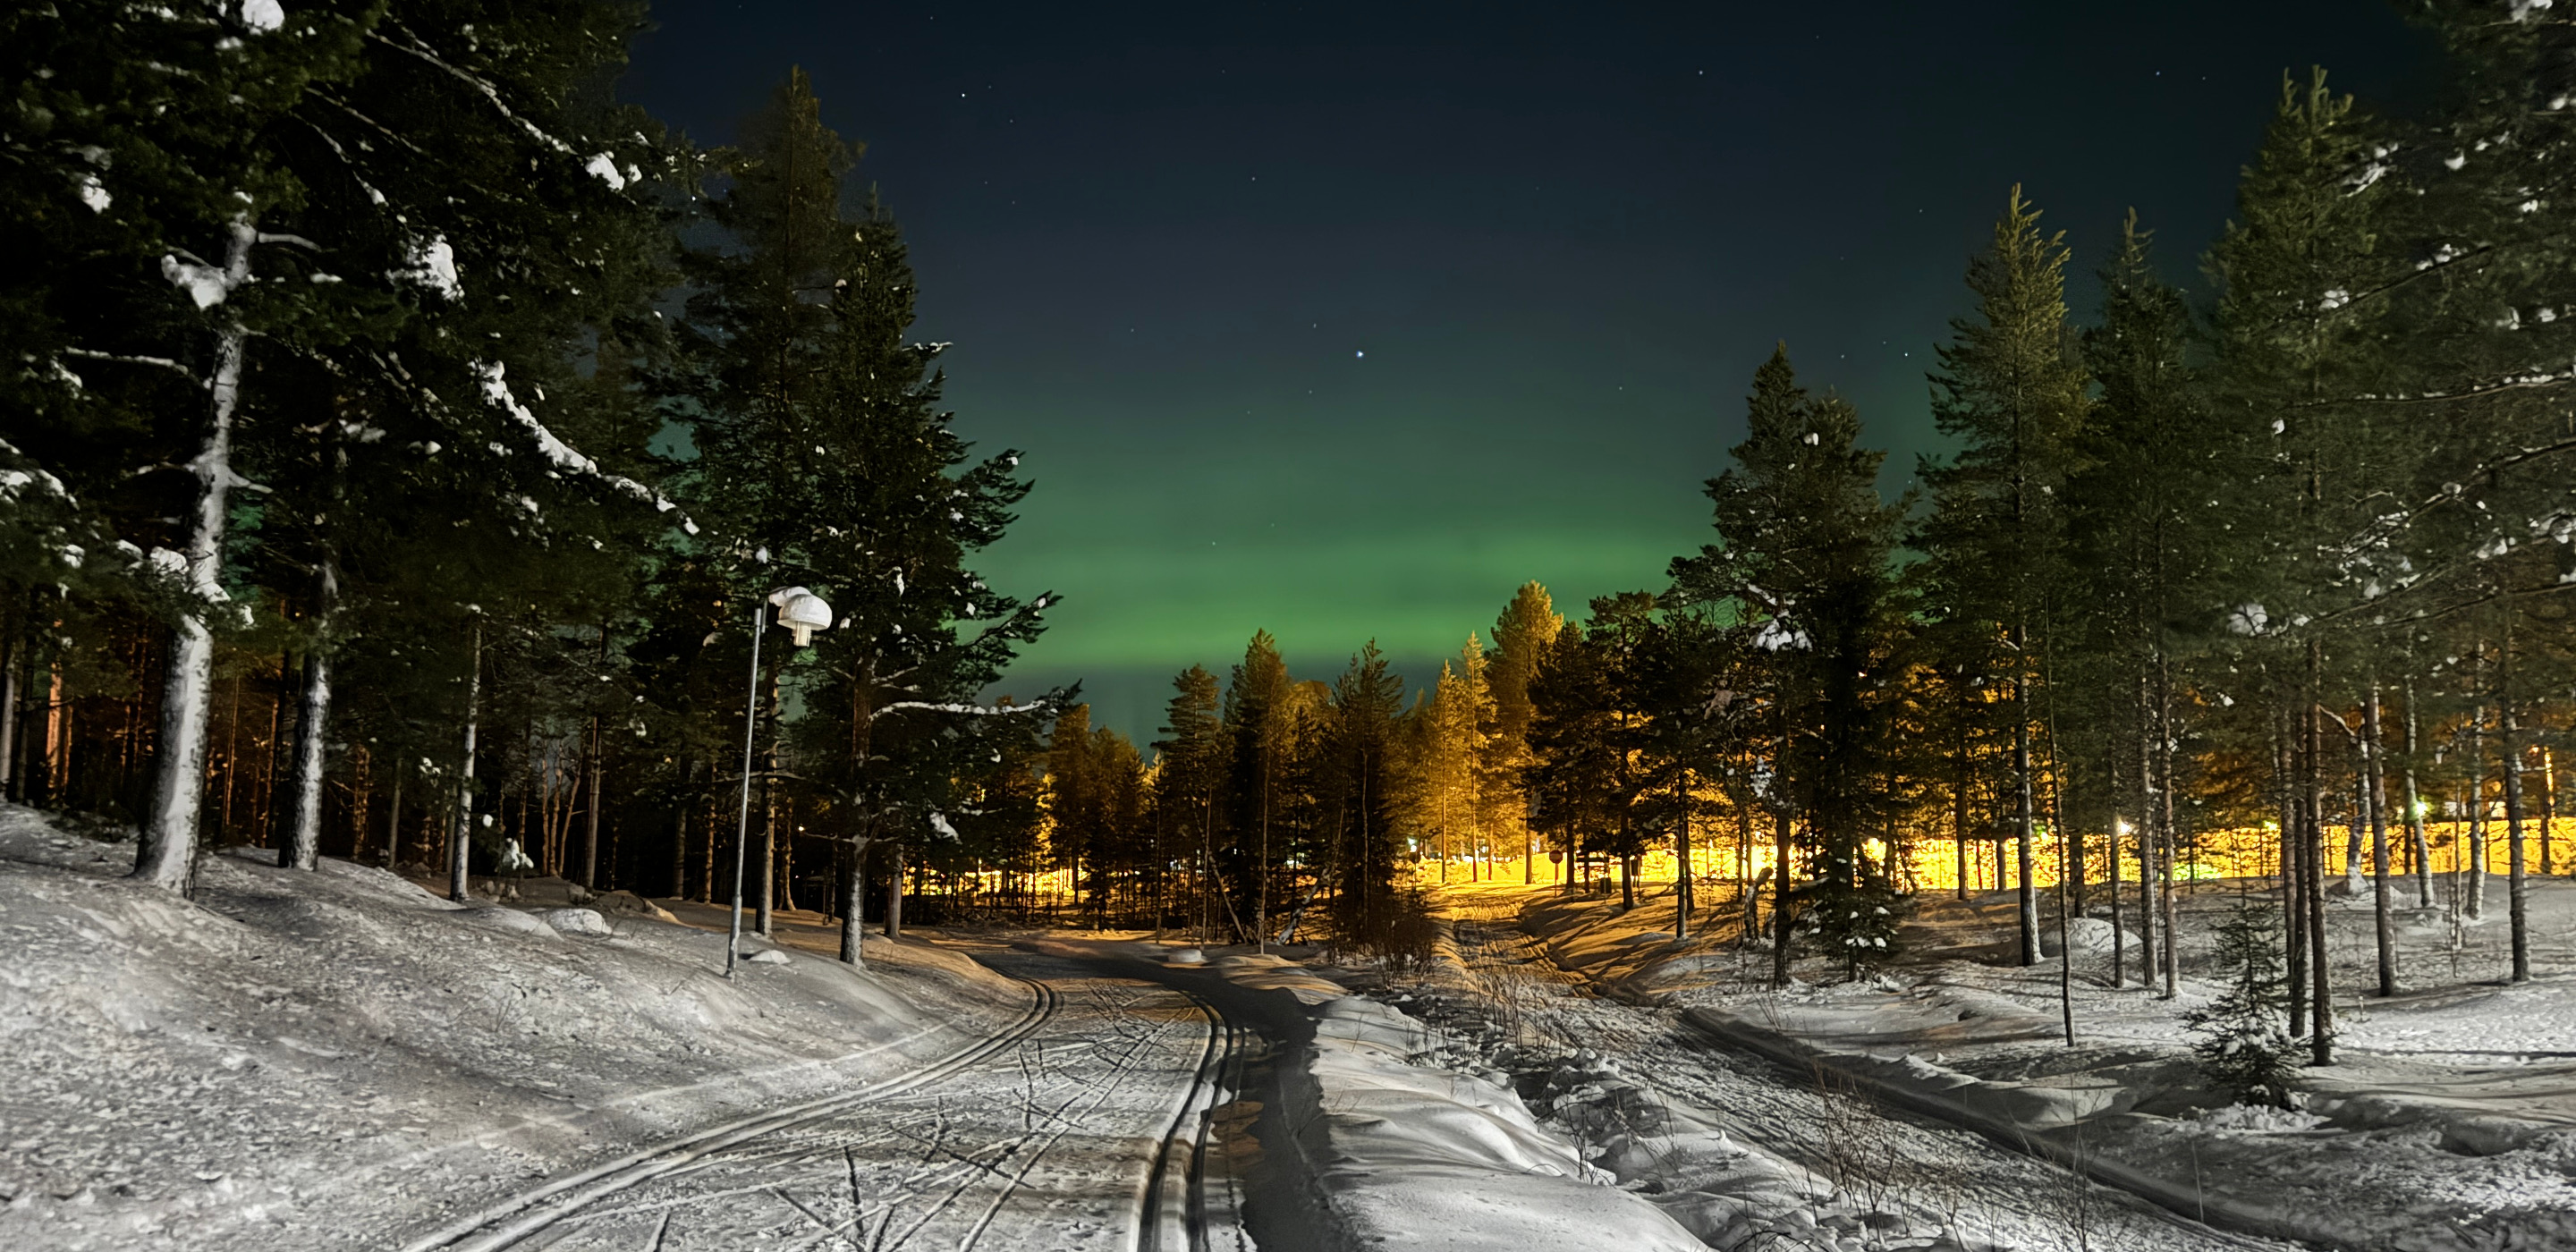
column 2448, row 1123
column 338, row 1059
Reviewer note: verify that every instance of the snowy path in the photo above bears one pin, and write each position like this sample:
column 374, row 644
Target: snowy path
column 1088, row 1123
column 1993, row 1196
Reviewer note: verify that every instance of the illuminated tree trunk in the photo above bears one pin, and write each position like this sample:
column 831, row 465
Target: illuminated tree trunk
column 165, row 853
column 2384, row 923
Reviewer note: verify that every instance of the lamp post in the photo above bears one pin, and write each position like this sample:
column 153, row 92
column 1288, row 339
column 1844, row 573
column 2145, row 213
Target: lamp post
column 802, row 613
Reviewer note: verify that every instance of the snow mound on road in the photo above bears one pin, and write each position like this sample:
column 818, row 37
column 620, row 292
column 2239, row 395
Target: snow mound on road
column 1419, row 1157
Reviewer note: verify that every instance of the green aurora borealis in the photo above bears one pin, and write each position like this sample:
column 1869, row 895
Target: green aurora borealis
column 1163, row 237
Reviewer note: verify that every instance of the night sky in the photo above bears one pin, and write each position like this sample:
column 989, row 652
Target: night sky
column 1343, row 322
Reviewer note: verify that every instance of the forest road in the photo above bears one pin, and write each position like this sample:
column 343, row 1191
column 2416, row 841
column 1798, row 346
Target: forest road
column 1104, row 1118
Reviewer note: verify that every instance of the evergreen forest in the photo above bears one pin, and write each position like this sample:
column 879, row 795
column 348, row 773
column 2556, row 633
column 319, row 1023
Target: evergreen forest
column 407, row 451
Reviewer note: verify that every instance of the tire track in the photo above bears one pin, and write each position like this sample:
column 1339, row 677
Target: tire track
column 503, row 1225
column 1182, row 1206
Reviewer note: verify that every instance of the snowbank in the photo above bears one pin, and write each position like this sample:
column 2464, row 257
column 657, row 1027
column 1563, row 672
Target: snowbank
column 339, row 1058
column 2393, row 1153
column 1430, row 1158
column 1404, row 1151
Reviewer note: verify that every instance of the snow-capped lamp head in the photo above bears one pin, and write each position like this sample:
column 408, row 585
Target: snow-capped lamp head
column 801, row 612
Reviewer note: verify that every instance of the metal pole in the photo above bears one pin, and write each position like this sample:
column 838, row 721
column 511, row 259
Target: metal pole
column 742, row 820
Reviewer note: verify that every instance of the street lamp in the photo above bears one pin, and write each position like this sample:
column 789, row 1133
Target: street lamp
column 802, row 613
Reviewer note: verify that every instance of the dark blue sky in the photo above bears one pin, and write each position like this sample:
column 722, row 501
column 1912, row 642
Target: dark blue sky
column 1343, row 321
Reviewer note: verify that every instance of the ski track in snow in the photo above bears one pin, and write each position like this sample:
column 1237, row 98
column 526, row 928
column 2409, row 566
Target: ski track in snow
column 1994, row 1196
column 1061, row 1130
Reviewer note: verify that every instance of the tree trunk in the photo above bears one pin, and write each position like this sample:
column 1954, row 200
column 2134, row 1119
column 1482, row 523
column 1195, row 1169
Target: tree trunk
column 598, row 779
column 894, row 891
column 2517, row 886
column 2417, row 848
column 2168, row 830
column 2548, row 809
column 312, row 723
column 2374, row 802
column 1780, row 918
column 165, row 853
column 2320, row 974
column 762, row 919
column 2295, row 878
column 1682, row 885
column 1962, row 764
column 854, row 886
column 2146, row 834
column 2028, row 905
column 393, row 819
column 457, row 887
column 12, row 649
column 2476, row 852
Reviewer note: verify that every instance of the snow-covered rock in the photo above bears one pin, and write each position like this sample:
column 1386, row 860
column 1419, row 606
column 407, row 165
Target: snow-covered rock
column 767, row 956
column 577, row 922
column 2092, row 937
column 629, row 904
column 499, row 918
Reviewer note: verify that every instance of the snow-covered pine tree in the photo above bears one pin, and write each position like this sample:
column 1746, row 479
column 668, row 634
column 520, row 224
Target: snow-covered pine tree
column 472, row 178
column 158, row 263
column 2243, row 1048
column 824, row 456
column 2301, row 334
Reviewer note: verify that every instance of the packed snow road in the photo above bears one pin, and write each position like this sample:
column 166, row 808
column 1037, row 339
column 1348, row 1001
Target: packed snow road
column 1091, row 1122
column 1878, row 1161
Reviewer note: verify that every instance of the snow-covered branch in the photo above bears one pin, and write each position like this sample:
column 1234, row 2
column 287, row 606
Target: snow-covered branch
column 969, row 710
column 415, row 47
column 563, row 454
column 158, row 362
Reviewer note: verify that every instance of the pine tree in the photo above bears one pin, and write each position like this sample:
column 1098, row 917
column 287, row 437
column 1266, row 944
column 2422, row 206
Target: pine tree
column 2150, row 523
column 1259, row 724
column 1361, row 803
column 2011, row 392
column 824, row 461
column 1527, row 627
column 1803, row 571
column 1189, row 779
column 2297, row 333
column 2243, row 1049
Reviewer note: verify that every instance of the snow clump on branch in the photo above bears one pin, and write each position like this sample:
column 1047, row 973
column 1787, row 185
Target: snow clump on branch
column 497, row 390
